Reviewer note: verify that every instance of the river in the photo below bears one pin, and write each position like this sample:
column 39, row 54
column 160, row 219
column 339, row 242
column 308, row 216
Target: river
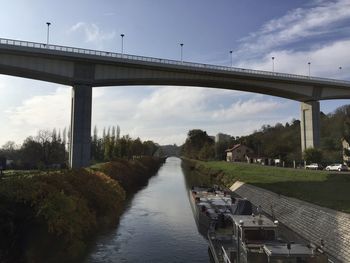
column 157, row 226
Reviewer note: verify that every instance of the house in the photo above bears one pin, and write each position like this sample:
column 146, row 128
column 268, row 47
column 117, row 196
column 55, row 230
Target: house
column 346, row 158
column 238, row 153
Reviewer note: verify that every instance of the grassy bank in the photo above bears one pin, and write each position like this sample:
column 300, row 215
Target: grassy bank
column 49, row 217
column 328, row 189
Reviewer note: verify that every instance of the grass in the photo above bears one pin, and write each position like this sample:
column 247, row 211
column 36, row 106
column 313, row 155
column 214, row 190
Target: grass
column 328, row 189
column 26, row 173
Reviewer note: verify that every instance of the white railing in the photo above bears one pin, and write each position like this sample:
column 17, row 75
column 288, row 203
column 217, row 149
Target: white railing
column 12, row 42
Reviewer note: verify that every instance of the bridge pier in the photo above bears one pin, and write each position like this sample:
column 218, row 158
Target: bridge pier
column 80, row 137
column 310, row 125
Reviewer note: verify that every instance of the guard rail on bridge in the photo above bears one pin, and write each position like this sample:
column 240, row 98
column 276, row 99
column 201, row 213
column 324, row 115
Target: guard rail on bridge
column 12, row 42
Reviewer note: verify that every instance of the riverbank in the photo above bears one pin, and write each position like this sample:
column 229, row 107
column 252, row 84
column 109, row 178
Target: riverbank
column 49, row 217
column 327, row 189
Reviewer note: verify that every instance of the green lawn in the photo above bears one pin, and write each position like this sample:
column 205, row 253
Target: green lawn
column 329, row 189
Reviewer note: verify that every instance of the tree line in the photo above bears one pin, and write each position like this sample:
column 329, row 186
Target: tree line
column 111, row 145
column 279, row 141
column 50, row 149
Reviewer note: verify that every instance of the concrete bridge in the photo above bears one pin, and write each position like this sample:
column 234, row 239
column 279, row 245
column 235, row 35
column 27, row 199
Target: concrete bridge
column 83, row 69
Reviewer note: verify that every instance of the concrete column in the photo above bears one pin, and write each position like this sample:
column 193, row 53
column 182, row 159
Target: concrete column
column 80, row 126
column 310, row 125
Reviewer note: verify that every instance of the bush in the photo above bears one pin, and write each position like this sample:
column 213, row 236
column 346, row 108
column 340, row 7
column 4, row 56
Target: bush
column 131, row 174
column 65, row 208
column 313, row 155
column 48, row 217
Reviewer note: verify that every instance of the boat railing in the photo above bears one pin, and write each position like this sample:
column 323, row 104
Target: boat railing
column 225, row 256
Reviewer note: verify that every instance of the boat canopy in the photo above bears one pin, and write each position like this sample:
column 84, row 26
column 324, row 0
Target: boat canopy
column 242, row 207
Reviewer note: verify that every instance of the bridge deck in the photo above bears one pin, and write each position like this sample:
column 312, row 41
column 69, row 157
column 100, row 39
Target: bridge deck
column 190, row 65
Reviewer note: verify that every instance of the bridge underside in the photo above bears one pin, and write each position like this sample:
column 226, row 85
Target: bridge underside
column 83, row 72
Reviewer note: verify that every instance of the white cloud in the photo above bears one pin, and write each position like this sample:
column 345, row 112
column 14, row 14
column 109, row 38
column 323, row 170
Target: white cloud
column 170, row 103
column 163, row 114
column 166, row 114
column 298, row 24
column 325, row 60
column 41, row 112
column 246, row 109
column 92, row 33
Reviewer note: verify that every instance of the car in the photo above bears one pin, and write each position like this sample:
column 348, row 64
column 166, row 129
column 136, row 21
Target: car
column 337, row 167
column 314, row 166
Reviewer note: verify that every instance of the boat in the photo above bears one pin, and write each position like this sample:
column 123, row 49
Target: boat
column 208, row 203
column 250, row 238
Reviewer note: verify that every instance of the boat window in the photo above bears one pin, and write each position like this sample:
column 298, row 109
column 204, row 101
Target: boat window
column 259, row 234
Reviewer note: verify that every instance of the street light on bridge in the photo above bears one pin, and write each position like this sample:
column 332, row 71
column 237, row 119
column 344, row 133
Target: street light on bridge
column 309, row 63
column 231, row 58
column 122, row 35
column 181, row 45
column 273, row 64
column 48, row 33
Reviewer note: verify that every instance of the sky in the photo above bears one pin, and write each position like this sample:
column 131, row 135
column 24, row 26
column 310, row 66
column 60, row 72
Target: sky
column 295, row 32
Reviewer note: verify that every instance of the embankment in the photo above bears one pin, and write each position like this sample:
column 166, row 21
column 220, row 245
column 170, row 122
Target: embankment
column 50, row 217
column 311, row 221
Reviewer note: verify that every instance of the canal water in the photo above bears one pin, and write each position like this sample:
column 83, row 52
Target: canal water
column 157, row 226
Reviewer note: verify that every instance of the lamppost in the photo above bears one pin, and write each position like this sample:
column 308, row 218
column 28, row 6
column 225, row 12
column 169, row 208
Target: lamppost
column 309, row 63
column 48, row 33
column 181, row 45
column 273, row 64
column 122, row 35
column 231, row 58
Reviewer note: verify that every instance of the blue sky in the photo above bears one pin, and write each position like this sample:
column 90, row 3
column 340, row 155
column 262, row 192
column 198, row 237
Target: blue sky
column 293, row 31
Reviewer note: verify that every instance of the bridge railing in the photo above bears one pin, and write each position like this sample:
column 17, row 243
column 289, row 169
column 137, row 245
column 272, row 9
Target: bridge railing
column 12, row 42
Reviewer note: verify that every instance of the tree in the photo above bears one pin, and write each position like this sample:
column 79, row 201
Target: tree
column 94, row 145
column 64, row 136
column 9, row 146
column 149, row 148
column 32, row 153
column 118, row 132
column 313, row 155
column 220, row 148
column 107, row 148
column 207, row 152
column 125, row 146
column 196, row 139
column 10, row 151
column 136, row 147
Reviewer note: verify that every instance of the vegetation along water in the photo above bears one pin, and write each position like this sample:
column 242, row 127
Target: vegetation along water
column 52, row 216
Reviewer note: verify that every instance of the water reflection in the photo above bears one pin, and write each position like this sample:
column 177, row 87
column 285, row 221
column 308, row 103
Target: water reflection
column 158, row 225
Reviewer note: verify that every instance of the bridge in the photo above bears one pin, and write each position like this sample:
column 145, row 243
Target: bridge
column 83, row 69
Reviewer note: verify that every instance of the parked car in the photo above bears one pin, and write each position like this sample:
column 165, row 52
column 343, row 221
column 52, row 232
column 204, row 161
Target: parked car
column 337, row 167
column 314, row 166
